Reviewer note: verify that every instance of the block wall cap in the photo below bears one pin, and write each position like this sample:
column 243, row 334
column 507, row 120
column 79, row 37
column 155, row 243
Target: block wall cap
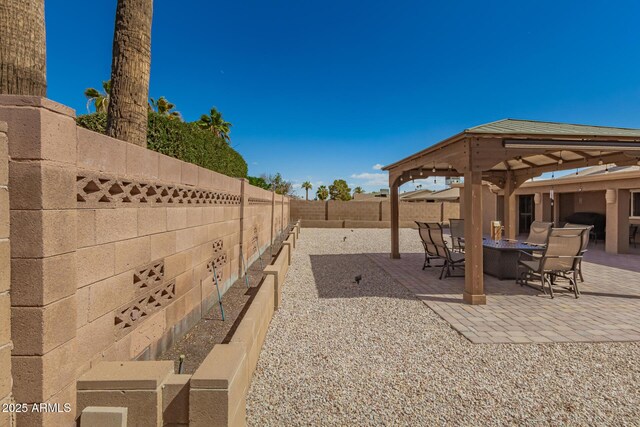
column 219, row 368
column 137, row 375
column 4, row 127
column 37, row 102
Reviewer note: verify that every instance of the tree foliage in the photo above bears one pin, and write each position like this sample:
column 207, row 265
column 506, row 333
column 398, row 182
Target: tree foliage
column 339, row 190
column 259, row 181
column 322, row 193
column 164, row 107
column 277, row 183
column 307, row 186
column 358, row 190
column 215, row 123
column 99, row 99
column 184, row 141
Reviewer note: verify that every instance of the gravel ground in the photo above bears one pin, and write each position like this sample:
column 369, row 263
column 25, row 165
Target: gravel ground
column 338, row 353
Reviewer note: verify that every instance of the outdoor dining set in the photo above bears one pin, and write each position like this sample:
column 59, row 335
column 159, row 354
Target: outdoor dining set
column 549, row 257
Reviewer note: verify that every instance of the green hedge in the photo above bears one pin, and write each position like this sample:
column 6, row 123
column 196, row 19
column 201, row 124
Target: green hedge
column 184, row 141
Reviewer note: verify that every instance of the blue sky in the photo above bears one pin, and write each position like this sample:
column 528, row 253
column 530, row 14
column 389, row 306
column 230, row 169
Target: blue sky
column 319, row 90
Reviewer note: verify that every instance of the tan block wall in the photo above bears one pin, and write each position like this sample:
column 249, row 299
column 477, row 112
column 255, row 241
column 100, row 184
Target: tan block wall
column 312, row 210
column 116, row 247
column 369, row 214
column 6, row 381
column 359, row 211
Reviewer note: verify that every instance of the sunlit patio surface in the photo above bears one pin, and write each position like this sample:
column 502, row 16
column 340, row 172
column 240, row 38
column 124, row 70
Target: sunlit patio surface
column 607, row 310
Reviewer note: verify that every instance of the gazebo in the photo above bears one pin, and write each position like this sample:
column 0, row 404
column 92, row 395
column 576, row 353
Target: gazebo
column 507, row 153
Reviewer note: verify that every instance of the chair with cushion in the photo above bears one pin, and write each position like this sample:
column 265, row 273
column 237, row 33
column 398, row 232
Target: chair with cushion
column 456, row 228
column 451, row 259
column 585, row 242
column 557, row 265
column 538, row 233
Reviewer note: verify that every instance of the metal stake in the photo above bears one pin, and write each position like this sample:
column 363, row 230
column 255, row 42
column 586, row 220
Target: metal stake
column 215, row 278
column 181, row 364
column 246, row 274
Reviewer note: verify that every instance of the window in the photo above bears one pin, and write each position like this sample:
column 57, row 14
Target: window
column 635, row 204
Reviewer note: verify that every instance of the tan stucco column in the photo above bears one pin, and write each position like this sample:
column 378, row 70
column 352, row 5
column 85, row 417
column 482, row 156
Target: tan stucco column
column 617, row 238
column 473, row 276
column 509, row 207
column 395, row 219
column 538, row 207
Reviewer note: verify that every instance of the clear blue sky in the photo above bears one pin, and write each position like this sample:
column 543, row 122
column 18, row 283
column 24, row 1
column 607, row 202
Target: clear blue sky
column 319, row 90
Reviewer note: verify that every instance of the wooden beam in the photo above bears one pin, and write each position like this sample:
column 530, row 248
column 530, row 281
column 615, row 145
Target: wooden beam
column 572, row 164
column 473, row 274
column 510, row 206
column 395, row 218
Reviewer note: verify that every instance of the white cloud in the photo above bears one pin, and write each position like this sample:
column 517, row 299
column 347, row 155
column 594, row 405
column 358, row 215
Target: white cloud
column 378, row 166
column 372, row 179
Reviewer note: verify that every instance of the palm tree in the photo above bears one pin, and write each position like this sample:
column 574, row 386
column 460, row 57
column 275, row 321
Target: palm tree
column 23, row 48
column 100, row 99
column 307, row 186
column 131, row 63
column 322, row 193
column 358, row 190
column 164, row 107
column 216, row 124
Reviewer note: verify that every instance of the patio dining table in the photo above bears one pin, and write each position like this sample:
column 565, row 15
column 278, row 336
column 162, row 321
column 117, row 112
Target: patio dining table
column 500, row 257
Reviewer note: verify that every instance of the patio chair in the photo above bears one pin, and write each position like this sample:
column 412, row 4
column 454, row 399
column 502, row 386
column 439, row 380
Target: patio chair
column 558, row 262
column 585, row 242
column 633, row 230
column 538, row 233
column 456, row 228
column 451, row 259
column 430, row 251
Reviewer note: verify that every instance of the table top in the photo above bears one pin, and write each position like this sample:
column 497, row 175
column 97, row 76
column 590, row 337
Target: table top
column 509, row 245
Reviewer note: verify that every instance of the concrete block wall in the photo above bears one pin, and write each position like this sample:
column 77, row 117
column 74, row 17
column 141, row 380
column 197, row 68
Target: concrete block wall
column 312, row 210
column 151, row 394
column 369, row 214
column 115, row 254
column 257, row 220
column 6, row 381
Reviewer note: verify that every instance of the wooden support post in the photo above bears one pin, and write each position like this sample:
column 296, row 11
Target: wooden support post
column 473, row 277
column 395, row 218
column 509, row 206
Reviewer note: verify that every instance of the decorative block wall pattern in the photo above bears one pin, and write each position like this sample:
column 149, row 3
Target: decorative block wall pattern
column 114, row 245
column 96, row 190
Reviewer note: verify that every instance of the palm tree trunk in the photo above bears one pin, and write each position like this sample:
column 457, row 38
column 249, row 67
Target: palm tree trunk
column 130, row 67
column 23, row 48
column 307, row 190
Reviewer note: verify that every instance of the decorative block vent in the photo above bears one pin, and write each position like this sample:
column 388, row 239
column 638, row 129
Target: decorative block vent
column 219, row 262
column 259, row 201
column 217, row 246
column 128, row 317
column 99, row 190
column 149, row 276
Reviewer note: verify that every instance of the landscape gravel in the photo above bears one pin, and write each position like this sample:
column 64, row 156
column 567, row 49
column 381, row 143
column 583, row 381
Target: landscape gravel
column 340, row 353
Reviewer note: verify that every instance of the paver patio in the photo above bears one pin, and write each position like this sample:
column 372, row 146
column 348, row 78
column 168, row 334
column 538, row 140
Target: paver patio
column 607, row 310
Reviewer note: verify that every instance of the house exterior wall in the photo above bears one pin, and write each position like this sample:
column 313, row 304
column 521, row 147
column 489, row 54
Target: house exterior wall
column 116, row 249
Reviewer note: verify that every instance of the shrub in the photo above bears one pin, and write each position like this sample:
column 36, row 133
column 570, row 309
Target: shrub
column 184, row 141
